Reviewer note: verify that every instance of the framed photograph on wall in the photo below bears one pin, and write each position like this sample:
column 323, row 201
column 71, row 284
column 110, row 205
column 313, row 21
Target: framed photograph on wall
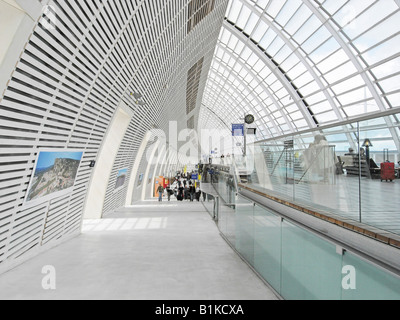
column 121, row 178
column 53, row 175
column 140, row 179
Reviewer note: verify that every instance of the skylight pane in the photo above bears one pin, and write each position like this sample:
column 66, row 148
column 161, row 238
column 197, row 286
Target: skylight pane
column 289, row 47
column 260, row 31
column 288, row 11
column 235, row 10
column 298, row 20
column 275, row 7
column 268, row 37
column 243, row 17
column 251, row 23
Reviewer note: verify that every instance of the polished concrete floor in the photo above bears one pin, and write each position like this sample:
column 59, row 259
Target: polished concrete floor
column 150, row 251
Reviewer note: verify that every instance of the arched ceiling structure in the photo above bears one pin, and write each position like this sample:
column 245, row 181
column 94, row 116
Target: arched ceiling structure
column 70, row 68
column 302, row 64
column 72, row 72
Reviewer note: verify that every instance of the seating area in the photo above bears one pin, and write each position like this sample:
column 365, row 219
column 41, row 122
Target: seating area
column 350, row 165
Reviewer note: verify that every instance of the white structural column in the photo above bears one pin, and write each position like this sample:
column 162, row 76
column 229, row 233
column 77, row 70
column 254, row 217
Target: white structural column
column 160, row 160
column 99, row 182
column 150, row 159
column 161, row 164
column 134, row 173
column 164, row 163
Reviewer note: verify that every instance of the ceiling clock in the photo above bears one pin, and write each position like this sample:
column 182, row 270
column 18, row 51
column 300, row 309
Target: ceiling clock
column 249, row 119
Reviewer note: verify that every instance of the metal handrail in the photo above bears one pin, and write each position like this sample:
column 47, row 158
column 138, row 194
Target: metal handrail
column 333, row 125
column 279, row 160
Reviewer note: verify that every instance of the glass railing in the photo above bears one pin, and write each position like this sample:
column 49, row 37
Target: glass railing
column 210, row 203
column 221, row 178
column 297, row 263
column 225, row 187
column 350, row 170
column 301, row 265
column 337, row 175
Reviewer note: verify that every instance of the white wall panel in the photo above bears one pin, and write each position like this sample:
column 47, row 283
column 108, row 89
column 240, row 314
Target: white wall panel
column 64, row 90
column 162, row 77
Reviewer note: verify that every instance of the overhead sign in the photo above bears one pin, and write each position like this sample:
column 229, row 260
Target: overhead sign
column 238, row 130
column 289, row 144
column 251, row 131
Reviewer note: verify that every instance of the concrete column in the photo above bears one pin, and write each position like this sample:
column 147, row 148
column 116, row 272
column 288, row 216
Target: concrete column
column 16, row 26
column 105, row 160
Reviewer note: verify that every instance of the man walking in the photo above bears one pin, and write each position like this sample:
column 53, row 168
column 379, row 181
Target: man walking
column 160, row 191
column 169, row 192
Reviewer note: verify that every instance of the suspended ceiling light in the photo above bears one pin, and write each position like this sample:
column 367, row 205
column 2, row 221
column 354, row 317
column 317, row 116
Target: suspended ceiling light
column 136, row 95
column 138, row 98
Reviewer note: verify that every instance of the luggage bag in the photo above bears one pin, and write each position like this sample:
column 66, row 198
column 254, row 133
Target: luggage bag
column 387, row 168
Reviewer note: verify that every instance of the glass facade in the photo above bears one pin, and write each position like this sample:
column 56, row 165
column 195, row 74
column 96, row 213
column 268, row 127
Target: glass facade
column 298, row 65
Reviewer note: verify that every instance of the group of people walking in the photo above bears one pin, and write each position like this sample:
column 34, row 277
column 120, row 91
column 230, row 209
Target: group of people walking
column 183, row 188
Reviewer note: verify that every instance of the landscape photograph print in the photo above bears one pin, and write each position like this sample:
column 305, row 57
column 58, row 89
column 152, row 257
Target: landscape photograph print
column 121, row 177
column 55, row 171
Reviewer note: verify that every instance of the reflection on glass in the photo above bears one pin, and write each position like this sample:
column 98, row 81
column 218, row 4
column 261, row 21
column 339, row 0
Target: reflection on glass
column 310, row 265
column 267, row 246
column 245, row 229
column 332, row 171
column 297, row 263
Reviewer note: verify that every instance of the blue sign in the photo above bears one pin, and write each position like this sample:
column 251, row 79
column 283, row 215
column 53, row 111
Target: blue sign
column 238, row 130
column 195, row 176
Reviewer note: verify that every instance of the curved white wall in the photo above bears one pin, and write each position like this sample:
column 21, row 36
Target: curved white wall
column 65, row 82
column 15, row 28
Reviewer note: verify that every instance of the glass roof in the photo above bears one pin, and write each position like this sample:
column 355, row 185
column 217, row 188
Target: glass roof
column 300, row 64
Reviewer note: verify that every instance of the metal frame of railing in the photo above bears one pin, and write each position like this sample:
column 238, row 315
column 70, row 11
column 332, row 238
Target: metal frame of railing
column 371, row 116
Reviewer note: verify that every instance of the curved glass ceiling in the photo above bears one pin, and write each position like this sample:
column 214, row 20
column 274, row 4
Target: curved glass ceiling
column 299, row 64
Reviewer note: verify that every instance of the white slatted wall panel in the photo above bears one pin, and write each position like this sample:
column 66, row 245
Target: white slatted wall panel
column 63, row 94
column 162, row 80
column 65, row 89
